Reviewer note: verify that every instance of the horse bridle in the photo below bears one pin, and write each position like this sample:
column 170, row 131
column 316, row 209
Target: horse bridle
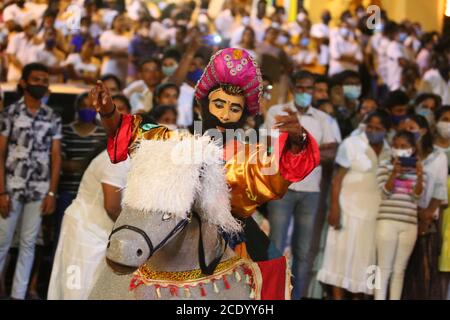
column 206, row 269
column 180, row 226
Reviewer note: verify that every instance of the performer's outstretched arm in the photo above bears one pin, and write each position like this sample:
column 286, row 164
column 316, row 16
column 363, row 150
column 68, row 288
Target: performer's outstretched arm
column 101, row 100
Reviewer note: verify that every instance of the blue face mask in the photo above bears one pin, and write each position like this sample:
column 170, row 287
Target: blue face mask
column 402, row 37
column 304, row 42
column 87, row 115
column 375, row 137
column 352, row 92
column 397, row 119
column 417, row 135
column 303, row 100
column 195, row 75
column 426, row 113
column 168, row 71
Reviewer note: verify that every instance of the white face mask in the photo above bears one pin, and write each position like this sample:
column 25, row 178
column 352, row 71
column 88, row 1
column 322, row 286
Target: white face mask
column 443, row 129
column 402, row 152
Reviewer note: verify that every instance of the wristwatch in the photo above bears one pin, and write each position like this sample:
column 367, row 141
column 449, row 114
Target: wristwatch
column 51, row 194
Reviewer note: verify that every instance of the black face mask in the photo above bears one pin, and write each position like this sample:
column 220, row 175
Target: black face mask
column 36, row 91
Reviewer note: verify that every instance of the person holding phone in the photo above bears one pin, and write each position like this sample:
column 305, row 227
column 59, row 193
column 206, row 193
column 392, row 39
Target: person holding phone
column 401, row 181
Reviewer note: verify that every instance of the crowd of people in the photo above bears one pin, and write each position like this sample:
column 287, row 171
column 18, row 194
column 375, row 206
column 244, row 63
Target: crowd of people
column 375, row 99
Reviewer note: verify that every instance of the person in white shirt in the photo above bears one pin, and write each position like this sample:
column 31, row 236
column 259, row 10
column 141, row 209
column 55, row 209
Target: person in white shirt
column 320, row 32
column 84, row 66
column 260, row 22
column 345, row 51
column 397, row 58
column 423, row 58
column 21, row 50
column 421, row 281
column 302, row 199
column 21, row 13
column 304, row 58
column 86, row 226
column 437, row 79
column 114, row 44
column 50, row 56
column 141, row 92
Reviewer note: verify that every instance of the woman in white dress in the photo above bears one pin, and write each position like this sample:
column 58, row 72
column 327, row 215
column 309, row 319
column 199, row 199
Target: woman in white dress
column 355, row 198
column 86, row 226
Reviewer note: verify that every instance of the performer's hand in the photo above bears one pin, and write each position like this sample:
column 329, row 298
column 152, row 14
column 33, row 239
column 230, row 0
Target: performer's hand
column 5, row 205
column 290, row 124
column 48, row 205
column 100, row 98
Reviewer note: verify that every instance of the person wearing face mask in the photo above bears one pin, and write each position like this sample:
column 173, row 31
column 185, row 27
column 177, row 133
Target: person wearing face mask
column 320, row 32
column 275, row 63
column 442, row 142
column 84, row 34
column 302, row 199
column 437, row 79
column 397, row 58
column 345, row 51
column 355, row 198
column 397, row 104
column 51, row 56
column 21, row 50
column 402, row 182
column 422, row 279
column 83, row 67
column 345, row 95
column 114, row 44
column 170, row 62
column 48, row 23
column 30, row 157
column 426, row 105
column 141, row 46
column 303, row 56
column 80, row 138
column 88, row 221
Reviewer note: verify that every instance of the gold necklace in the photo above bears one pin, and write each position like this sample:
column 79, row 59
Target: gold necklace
column 148, row 274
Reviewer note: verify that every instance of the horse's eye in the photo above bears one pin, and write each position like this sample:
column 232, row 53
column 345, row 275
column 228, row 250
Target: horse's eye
column 166, row 216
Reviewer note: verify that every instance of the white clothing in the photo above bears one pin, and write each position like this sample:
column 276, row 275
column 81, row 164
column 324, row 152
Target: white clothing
column 339, row 46
column 433, row 81
column 30, row 11
column 110, row 41
column 81, row 67
column 395, row 242
column 350, row 251
column 319, row 125
column 435, row 167
column 24, row 50
column 85, row 229
column 320, row 30
column 141, row 98
column 185, row 106
column 395, row 51
column 305, row 57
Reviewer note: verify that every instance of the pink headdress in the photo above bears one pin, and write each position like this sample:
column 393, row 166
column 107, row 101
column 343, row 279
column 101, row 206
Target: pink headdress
column 233, row 67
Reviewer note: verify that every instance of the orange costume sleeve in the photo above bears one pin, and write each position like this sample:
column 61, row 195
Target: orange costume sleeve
column 253, row 175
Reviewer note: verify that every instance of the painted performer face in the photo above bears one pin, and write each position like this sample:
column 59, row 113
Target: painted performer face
column 225, row 107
